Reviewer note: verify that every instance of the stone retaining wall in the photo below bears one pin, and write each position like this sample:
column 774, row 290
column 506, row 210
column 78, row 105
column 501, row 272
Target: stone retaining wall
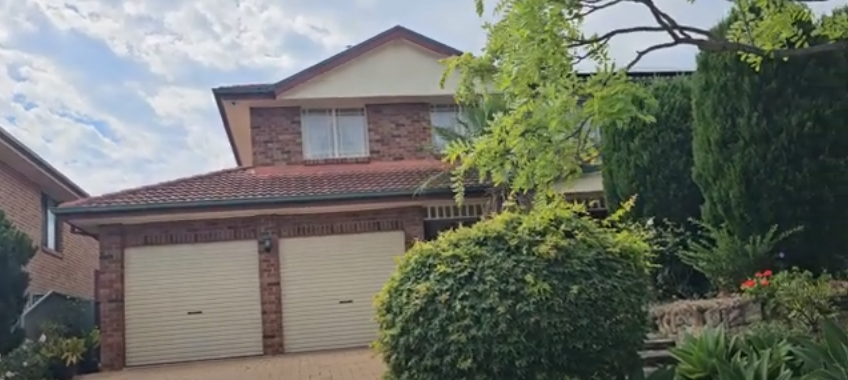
column 673, row 320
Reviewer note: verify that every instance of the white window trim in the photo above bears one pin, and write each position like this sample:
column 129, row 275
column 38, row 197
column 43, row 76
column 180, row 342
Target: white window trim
column 48, row 225
column 334, row 113
column 443, row 108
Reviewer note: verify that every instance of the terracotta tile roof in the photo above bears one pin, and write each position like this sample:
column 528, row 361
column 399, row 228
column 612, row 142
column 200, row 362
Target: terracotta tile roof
column 277, row 182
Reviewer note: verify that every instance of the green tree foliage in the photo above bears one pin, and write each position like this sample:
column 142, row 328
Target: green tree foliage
column 545, row 294
column 16, row 250
column 530, row 58
column 771, row 148
column 654, row 161
column 473, row 122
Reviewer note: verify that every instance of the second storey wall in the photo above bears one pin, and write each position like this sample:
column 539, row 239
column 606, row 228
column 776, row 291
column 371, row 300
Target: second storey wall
column 70, row 271
column 395, row 132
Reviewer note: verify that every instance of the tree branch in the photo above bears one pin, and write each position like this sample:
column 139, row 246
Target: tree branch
column 703, row 39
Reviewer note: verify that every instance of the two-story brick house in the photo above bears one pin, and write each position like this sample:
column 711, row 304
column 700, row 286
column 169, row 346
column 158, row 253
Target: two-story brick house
column 29, row 189
column 285, row 252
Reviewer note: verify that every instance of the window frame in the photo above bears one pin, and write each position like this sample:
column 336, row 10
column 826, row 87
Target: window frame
column 47, row 203
column 334, row 114
column 434, row 108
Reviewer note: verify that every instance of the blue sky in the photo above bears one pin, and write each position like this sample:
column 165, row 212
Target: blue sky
column 116, row 94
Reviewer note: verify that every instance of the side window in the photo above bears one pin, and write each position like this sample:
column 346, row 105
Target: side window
column 51, row 231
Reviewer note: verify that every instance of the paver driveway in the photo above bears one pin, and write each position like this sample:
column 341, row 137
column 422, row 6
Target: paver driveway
column 360, row 364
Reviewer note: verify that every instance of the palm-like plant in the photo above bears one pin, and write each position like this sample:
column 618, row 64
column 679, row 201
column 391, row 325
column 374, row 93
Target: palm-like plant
column 472, row 122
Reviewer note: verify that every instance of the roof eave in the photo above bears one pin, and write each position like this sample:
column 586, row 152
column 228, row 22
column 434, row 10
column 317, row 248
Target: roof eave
column 223, row 94
column 53, row 173
column 72, row 211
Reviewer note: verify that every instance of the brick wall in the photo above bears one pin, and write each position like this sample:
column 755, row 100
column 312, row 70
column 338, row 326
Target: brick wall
column 70, row 271
column 113, row 239
column 395, row 132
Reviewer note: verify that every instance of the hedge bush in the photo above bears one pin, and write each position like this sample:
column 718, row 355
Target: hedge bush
column 547, row 294
column 654, row 160
column 771, row 148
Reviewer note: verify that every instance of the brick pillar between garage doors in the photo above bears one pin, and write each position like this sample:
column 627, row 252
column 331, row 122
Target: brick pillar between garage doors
column 269, row 287
column 110, row 294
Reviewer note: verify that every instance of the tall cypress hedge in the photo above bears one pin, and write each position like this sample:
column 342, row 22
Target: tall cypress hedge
column 771, row 147
column 654, row 161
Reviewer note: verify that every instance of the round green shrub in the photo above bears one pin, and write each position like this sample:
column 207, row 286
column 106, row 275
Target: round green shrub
column 547, row 294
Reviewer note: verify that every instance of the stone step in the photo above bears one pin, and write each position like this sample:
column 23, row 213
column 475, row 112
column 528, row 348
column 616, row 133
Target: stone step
column 656, row 358
column 658, row 344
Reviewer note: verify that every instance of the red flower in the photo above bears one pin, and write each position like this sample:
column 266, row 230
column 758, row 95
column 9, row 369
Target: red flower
column 764, row 282
column 758, row 275
column 748, row 284
column 767, row 273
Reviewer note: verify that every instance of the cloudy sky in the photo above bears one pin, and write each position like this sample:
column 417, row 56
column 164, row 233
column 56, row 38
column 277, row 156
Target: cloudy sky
column 116, row 93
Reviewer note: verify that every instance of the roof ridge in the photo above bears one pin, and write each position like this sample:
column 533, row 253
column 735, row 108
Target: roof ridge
column 153, row 185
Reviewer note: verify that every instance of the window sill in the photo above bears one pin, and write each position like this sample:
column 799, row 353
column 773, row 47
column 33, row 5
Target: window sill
column 52, row 252
column 341, row 160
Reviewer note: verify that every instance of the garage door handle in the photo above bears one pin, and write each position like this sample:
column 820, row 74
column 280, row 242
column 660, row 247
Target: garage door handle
column 346, row 301
column 194, row 312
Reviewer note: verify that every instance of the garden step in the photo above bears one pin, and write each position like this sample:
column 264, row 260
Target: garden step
column 656, row 358
column 658, row 344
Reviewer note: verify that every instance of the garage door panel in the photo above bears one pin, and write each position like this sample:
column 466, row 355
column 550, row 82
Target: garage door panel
column 317, row 273
column 188, row 353
column 241, row 295
column 166, row 285
column 164, row 318
column 199, row 264
column 343, row 339
column 199, row 332
column 306, row 311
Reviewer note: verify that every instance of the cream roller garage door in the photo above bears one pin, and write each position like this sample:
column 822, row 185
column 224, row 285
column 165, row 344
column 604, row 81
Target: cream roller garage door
column 328, row 286
column 192, row 302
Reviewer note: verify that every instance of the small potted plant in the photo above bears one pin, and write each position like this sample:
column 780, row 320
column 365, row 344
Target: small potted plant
column 64, row 356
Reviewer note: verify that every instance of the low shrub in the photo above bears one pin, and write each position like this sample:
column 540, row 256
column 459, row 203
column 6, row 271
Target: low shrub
column 794, row 298
column 727, row 259
column 672, row 278
column 25, row 363
column 760, row 355
column 56, row 355
column 544, row 294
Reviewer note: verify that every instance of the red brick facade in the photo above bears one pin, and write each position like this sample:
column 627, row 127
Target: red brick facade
column 395, row 132
column 113, row 240
column 69, row 271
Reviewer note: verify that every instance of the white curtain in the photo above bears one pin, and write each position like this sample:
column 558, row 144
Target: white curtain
column 351, row 133
column 443, row 119
column 317, row 134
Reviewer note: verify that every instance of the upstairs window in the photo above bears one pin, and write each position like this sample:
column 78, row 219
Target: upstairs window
column 444, row 116
column 334, row 133
column 51, row 228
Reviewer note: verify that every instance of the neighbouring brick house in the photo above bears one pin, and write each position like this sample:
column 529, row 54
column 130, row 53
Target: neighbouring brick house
column 30, row 187
column 284, row 252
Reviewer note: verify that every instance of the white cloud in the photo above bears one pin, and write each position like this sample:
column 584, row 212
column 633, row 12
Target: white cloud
column 56, row 120
column 194, row 110
column 221, row 34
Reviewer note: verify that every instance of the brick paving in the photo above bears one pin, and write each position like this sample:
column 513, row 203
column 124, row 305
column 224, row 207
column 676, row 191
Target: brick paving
column 359, row 364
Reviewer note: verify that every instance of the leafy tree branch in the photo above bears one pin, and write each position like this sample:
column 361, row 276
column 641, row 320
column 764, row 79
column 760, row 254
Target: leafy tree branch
column 530, row 60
